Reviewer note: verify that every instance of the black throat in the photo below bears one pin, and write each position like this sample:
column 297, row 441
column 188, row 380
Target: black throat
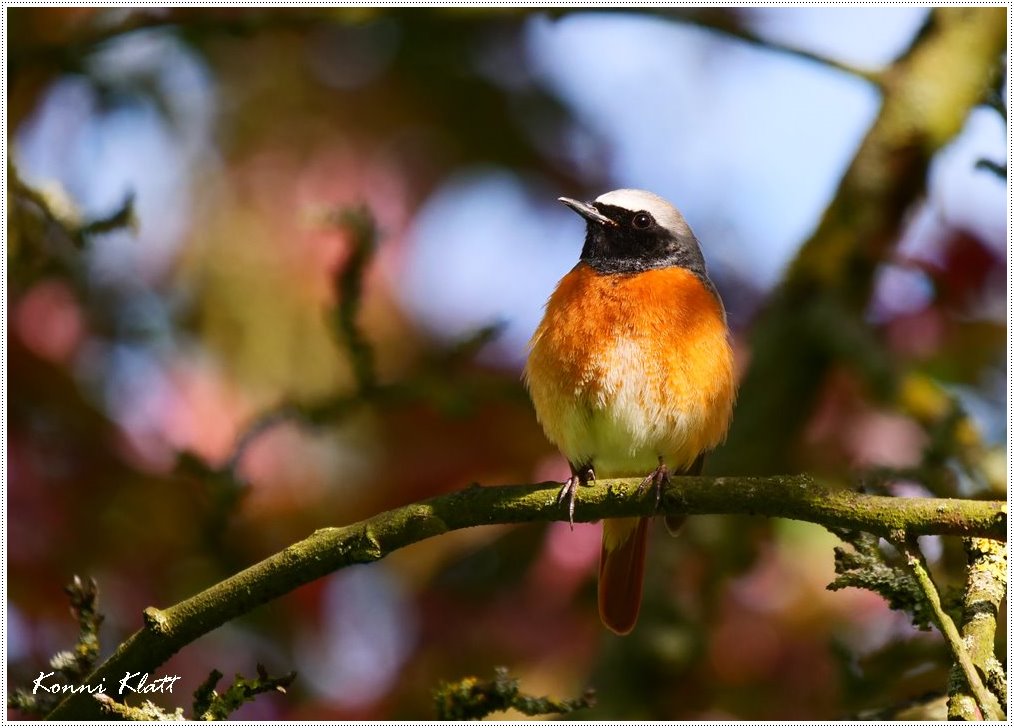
column 626, row 249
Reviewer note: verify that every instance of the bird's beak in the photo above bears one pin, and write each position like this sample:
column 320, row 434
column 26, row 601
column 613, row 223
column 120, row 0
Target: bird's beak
column 586, row 211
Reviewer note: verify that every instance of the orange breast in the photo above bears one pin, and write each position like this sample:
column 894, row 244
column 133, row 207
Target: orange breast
column 627, row 367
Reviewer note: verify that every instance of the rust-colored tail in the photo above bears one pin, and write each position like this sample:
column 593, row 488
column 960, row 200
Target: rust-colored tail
column 621, row 572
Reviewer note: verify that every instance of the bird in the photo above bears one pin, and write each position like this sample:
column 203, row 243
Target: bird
column 631, row 371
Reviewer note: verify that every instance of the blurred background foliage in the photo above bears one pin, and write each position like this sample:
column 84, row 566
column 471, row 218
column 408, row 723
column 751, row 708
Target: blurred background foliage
column 175, row 256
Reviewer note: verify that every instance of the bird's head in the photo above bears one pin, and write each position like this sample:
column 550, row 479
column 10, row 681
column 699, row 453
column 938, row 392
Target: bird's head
column 634, row 230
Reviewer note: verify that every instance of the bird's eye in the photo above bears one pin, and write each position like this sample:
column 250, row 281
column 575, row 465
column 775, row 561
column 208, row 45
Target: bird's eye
column 642, row 221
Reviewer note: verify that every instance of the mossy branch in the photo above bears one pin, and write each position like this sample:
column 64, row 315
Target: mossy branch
column 985, row 588
column 329, row 549
column 474, row 699
column 988, row 703
column 210, row 705
column 147, row 712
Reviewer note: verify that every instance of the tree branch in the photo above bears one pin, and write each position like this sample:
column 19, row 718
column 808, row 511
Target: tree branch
column 723, row 25
column 329, row 549
column 927, row 95
column 146, row 713
column 990, row 706
column 985, row 588
column 348, row 282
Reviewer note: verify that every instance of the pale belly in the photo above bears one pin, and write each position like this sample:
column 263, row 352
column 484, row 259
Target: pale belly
column 633, row 413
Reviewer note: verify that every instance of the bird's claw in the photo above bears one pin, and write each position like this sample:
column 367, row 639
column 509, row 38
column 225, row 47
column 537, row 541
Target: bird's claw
column 568, row 493
column 657, row 478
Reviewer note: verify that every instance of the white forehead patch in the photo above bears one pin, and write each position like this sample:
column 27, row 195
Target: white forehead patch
column 636, row 200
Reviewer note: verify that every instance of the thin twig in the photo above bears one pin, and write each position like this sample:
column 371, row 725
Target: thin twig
column 348, row 283
column 738, row 32
column 988, row 703
column 258, row 427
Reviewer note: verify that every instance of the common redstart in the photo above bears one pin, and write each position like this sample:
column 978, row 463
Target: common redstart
column 631, row 371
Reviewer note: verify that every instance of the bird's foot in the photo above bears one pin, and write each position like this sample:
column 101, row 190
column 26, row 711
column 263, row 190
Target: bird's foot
column 567, row 494
column 657, row 479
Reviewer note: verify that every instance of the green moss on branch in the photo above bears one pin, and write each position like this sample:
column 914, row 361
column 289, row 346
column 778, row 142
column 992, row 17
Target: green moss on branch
column 985, row 588
column 330, row 549
column 987, row 702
